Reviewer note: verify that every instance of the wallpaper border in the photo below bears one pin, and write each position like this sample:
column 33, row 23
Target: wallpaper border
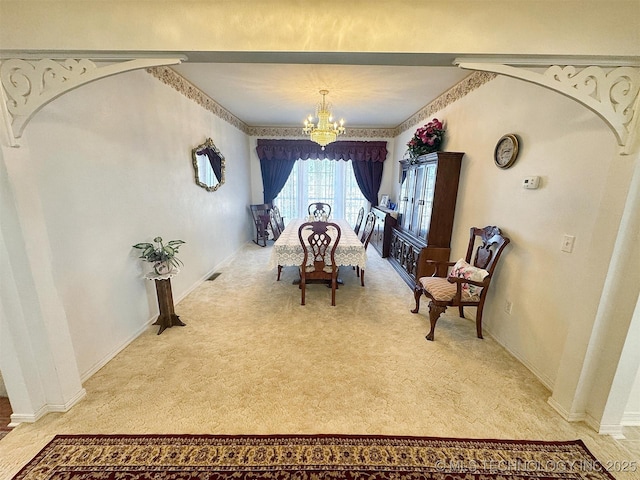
column 172, row 78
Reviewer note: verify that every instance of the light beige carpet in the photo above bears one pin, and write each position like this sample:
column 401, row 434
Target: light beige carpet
column 252, row 360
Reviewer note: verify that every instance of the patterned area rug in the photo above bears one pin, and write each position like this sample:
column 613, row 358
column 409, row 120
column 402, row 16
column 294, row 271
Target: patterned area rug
column 301, row 457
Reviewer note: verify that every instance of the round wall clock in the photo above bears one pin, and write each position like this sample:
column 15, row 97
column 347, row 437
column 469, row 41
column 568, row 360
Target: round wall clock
column 506, row 151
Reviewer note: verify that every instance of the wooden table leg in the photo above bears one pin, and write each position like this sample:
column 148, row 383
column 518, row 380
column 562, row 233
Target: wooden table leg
column 167, row 317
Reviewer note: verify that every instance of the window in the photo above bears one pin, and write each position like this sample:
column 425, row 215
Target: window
column 329, row 181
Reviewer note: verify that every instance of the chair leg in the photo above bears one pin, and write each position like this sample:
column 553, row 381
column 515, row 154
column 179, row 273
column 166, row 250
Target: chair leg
column 417, row 293
column 279, row 271
column 358, row 271
column 362, row 277
column 303, row 287
column 479, row 319
column 334, row 284
column 461, row 309
column 434, row 313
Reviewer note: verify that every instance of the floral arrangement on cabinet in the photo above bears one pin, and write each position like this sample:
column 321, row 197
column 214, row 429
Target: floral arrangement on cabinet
column 427, row 139
column 162, row 255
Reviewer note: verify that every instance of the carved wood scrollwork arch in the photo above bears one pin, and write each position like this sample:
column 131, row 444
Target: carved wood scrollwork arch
column 611, row 92
column 28, row 85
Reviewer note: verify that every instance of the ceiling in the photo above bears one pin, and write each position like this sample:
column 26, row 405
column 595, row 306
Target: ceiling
column 283, row 95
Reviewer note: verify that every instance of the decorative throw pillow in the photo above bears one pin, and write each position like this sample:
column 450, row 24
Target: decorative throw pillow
column 463, row 270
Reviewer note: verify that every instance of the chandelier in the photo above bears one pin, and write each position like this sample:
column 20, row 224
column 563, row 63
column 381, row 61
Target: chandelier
column 325, row 131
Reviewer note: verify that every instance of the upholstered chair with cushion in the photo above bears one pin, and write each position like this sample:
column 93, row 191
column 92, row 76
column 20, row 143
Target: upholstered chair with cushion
column 319, row 241
column 467, row 283
column 321, row 211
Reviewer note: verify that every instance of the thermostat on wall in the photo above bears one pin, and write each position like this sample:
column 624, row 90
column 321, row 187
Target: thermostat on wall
column 531, row 183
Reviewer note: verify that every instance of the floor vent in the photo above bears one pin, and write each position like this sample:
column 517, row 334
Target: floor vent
column 213, row 277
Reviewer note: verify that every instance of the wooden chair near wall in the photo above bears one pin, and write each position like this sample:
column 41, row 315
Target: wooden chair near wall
column 359, row 221
column 261, row 220
column 319, row 241
column 467, row 283
column 369, row 225
column 318, row 209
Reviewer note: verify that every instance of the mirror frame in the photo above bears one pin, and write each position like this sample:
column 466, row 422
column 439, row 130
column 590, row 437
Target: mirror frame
column 208, row 144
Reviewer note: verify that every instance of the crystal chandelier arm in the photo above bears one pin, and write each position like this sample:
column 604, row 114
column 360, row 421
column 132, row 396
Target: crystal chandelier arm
column 324, row 132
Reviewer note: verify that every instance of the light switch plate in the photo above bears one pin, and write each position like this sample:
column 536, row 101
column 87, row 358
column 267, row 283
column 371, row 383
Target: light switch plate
column 567, row 243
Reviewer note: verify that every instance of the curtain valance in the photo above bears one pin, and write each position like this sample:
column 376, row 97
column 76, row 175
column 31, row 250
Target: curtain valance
column 291, row 150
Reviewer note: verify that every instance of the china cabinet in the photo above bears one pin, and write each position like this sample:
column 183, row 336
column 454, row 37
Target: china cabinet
column 427, row 203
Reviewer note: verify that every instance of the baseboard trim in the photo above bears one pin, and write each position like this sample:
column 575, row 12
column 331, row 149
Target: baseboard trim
column 564, row 413
column 631, row 419
column 614, row 431
column 546, row 381
column 111, row 355
column 18, row 418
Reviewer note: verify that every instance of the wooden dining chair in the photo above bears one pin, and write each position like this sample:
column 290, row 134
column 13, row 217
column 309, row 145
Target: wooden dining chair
column 261, row 219
column 278, row 218
column 318, row 209
column 359, row 221
column 274, row 225
column 367, row 233
column 468, row 281
column 319, row 241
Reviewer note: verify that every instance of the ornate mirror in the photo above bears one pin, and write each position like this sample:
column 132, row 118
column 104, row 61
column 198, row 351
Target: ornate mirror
column 208, row 164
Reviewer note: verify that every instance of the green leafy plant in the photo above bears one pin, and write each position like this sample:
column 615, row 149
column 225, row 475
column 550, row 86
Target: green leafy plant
column 159, row 252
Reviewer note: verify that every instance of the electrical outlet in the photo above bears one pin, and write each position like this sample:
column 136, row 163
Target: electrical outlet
column 508, row 306
column 567, row 243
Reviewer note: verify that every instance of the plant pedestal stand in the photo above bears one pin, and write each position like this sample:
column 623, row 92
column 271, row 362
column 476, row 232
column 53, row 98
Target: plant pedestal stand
column 167, row 317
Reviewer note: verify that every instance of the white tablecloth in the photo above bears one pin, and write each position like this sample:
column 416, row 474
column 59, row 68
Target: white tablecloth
column 287, row 250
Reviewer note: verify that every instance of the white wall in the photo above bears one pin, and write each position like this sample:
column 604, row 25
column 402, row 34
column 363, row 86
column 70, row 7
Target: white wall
column 584, row 185
column 632, row 411
column 112, row 164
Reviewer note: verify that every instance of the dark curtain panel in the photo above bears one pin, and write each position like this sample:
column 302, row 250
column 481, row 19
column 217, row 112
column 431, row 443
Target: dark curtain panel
column 277, row 158
column 369, row 176
column 215, row 161
column 275, row 173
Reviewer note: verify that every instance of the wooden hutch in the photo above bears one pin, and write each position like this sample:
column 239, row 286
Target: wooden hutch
column 381, row 237
column 427, row 204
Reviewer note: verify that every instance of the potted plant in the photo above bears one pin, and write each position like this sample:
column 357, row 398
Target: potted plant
column 161, row 255
column 427, row 139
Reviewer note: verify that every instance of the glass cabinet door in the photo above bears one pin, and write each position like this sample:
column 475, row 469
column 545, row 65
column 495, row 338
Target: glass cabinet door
column 427, row 200
column 406, row 197
column 416, row 202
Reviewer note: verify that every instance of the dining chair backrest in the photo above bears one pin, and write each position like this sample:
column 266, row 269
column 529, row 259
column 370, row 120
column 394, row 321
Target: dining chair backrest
column 368, row 229
column 276, row 231
column 278, row 218
column 319, row 241
column 318, row 209
column 359, row 221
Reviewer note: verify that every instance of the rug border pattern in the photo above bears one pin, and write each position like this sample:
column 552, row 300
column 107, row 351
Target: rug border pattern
column 380, row 453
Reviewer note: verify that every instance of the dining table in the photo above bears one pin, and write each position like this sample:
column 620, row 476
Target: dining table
column 287, row 250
